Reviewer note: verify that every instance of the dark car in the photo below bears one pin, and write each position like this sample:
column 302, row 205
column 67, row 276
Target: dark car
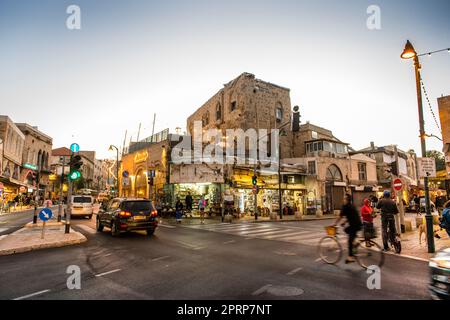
column 122, row 215
column 440, row 275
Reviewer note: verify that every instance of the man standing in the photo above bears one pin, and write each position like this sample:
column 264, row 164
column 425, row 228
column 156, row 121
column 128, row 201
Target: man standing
column 388, row 211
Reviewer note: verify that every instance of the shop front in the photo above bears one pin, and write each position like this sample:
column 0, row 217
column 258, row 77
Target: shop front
column 212, row 193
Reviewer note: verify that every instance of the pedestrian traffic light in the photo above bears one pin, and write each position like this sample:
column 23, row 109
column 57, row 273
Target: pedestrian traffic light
column 150, row 180
column 296, row 120
column 255, row 180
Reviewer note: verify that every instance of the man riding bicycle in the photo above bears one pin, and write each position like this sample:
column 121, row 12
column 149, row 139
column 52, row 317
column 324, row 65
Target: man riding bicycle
column 388, row 211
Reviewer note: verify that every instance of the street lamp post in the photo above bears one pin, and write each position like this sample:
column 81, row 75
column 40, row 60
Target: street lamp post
column 280, row 196
column 409, row 53
column 111, row 147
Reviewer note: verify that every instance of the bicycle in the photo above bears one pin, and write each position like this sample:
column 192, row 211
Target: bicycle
column 365, row 251
column 393, row 237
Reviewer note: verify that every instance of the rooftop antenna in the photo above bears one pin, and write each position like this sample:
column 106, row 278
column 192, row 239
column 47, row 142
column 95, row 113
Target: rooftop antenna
column 139, row 132
column 153, row 128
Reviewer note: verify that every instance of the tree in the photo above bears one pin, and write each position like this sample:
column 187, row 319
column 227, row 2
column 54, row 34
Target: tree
column 438, row 157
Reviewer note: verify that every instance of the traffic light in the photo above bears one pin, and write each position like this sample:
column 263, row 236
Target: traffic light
column 254, row 180
column 296, row 120
column 75, row 165
column 150, row 180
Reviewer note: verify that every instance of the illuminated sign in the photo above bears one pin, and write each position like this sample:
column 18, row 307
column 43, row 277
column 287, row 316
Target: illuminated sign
column 141, row 156
column 30, row 166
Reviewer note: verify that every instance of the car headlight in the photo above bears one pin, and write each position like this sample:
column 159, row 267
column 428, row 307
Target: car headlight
column 440, row 263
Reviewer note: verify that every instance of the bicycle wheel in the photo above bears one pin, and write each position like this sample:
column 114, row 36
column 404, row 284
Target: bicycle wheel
column 397, row 246
column 330, row 250
column 369, row 253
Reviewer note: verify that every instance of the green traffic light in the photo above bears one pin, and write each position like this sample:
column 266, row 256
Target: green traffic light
column 74, row 175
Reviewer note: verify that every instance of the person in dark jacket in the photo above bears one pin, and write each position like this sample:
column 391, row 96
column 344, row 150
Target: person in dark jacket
column 388, row 209
column 188, row 202
column 353, row 218
column 179, row 210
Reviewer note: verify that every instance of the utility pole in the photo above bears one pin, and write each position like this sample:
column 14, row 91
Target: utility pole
column 36, row 198
column 61, row 185
column 69, row 206
column 399, row 194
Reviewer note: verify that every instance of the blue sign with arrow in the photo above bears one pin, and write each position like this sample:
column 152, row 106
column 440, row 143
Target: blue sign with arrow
column 45, row 214
column 74, row 147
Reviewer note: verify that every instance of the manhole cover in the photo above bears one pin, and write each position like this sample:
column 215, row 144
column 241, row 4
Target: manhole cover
column 281, row 291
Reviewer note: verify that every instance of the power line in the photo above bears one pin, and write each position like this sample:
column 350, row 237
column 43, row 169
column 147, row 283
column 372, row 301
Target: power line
column 429, row 104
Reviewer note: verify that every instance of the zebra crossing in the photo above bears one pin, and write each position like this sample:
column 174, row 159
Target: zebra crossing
column 287, row 233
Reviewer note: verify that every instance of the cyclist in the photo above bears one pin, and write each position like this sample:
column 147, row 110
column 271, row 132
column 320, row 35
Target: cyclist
column 388, row 210
column 350, row 212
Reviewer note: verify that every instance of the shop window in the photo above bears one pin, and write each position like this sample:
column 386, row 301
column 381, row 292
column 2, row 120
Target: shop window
column 362, row 171
column 333, row 173
column 314, row 135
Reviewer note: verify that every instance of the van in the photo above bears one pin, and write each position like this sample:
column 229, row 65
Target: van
column 82, row 205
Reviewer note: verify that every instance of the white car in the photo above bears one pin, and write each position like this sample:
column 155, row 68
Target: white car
column 82, row 205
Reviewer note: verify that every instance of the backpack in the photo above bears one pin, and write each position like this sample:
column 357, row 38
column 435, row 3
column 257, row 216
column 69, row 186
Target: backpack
column 445, row 220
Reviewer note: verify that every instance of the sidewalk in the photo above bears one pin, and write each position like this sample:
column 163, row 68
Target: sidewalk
column 29, row 238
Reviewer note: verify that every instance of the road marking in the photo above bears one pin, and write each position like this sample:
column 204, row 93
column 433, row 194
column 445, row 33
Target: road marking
column 281, row 236
column 32, row 295
column 257, row 233
column 166, row 226
column 261, row 290
column 160, row 258
column 228, row 242
column 318, row 259
column 86, row 228
column 108, row 272
column 290, row 273
column 107, row 255
column 3, row 229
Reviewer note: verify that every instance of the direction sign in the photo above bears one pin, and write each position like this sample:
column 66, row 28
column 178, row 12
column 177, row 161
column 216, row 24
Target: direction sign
column 45, row 214
column 74, row 147
column 398, row 185
column 427, row 167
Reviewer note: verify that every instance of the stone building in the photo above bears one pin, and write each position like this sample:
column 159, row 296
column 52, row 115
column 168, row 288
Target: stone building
column 35, row 158
column 330, row 169
column 88, row 168
column 444, row 115
column 13, row 144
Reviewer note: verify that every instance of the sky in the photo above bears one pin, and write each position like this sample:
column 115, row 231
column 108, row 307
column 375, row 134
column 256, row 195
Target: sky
column 132, row 59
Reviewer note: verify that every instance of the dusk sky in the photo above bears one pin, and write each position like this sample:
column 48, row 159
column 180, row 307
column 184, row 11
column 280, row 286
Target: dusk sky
column 132, row 59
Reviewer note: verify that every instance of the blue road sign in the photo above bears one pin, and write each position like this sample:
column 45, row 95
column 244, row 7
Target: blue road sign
column 45, row 214
column 74, row 147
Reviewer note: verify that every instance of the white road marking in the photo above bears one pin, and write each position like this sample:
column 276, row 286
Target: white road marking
column 290, row 273
column 166, row 226
column 3, row 229
column 318, row 259
column 257, row 232
column 160, row 258
column 108, row 272
column 264, row 234
column 228, row 242
column 261, row 290
column 286, row 235
column 87, row 228
column 32, row 295
column 107, row 255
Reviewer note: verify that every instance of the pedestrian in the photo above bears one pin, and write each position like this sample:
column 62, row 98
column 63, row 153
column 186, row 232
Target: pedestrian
column 201, row 208
column 367, row 220
column 388, row 209
column 445, row 219
column 188, row 200
column 178, row 210
column 353, row 218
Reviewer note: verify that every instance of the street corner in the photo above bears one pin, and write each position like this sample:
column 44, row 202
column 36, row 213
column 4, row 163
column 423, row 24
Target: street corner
column 33, row 238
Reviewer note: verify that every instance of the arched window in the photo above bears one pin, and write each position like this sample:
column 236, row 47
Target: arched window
column 333, row 173
column 279, row 112
column 218, row 112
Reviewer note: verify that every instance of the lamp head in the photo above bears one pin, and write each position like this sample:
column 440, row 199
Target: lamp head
column 409, row 51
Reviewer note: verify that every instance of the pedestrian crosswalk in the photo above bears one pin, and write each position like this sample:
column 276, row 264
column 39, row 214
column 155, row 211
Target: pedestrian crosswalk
column 287, row 233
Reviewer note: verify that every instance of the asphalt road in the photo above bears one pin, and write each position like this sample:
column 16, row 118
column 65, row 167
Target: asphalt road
column 209, row 262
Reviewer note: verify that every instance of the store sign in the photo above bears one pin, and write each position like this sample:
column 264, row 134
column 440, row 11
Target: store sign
column 427, row 167
column 30, row 166
column 141, row 157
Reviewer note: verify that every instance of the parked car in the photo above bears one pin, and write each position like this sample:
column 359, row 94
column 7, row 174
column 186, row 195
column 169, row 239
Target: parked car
column 440, row 275
column 128, row 214
column 82, row 206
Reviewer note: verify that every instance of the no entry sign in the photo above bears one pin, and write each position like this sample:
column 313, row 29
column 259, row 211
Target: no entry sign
column 398, row 185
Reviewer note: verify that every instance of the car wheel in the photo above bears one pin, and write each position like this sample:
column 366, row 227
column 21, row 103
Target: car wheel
column 99, row 225
column 115, row 232
column 150, row 232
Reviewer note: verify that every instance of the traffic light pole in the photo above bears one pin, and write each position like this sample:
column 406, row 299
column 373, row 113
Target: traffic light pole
column 400, row 195
column 69, row 200
column 36, row 198
column 61, row 185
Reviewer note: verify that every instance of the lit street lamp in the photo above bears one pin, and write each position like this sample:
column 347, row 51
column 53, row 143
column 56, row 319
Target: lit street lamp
column 410, row 53
column 111, row 147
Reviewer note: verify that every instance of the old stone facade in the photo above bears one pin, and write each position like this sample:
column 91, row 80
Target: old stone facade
column 444, row 115
column 247, row 103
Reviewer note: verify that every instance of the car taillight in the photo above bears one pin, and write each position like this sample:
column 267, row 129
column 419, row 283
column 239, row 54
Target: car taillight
column 125, row 214
column 154, row 213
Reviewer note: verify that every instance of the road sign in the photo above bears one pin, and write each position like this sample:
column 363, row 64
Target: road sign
column 125, row 174
column 398, row 185
column 74, row 147
column 427, row 167
column 45, row 214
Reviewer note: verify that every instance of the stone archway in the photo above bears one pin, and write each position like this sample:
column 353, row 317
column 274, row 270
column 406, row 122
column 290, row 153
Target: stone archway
column 140, row 184
column 334, row 195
